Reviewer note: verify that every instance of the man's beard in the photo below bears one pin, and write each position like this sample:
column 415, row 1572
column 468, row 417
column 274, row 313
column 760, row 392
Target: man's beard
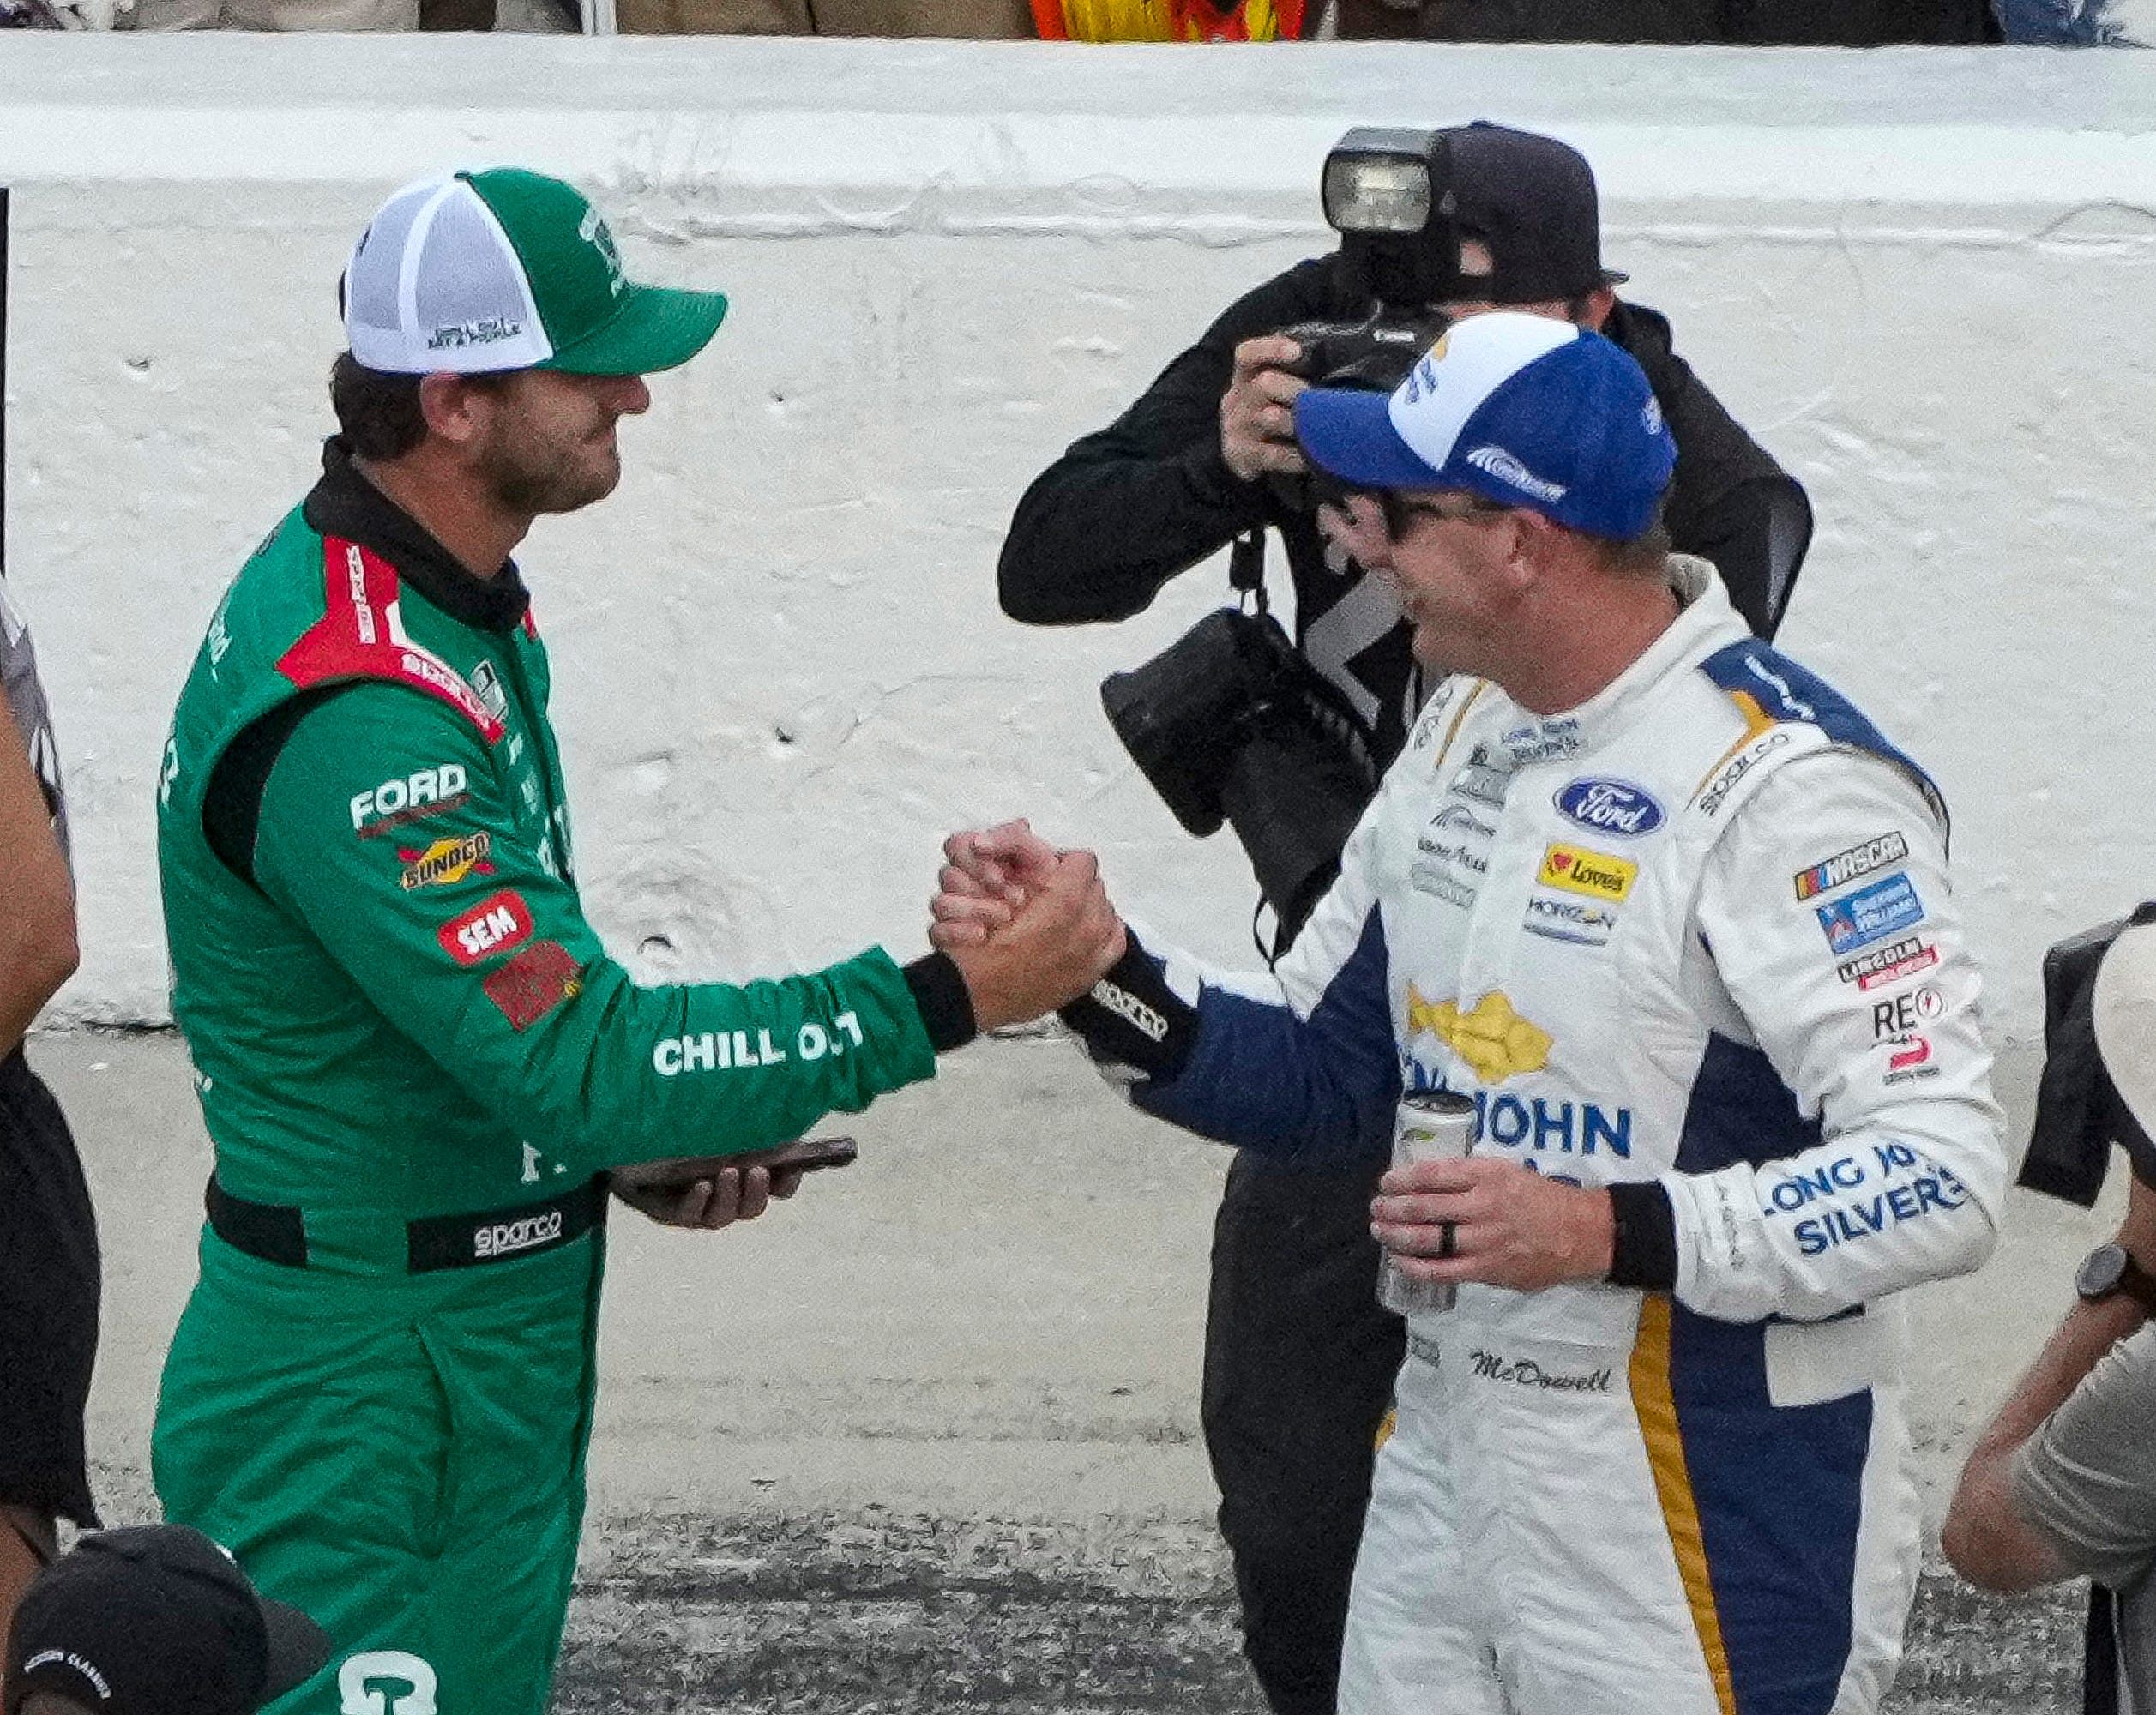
column 521, row 480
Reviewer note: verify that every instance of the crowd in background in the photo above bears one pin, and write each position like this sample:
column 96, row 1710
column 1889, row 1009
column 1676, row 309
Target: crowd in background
column 1755, row 23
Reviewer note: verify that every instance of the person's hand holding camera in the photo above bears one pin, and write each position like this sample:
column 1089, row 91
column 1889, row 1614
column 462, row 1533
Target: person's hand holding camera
column 1029, row 928
column 1257, row 411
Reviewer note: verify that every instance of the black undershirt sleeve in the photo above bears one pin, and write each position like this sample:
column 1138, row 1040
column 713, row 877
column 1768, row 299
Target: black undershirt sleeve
column 232, row 805
column 1645, row 1252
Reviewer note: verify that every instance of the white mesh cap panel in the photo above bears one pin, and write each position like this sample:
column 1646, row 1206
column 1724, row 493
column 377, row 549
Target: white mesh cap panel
column 372, row 277
column 436, row 286
column 1429, row 416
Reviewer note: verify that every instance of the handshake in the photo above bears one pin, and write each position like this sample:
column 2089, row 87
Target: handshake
column 1030, row 928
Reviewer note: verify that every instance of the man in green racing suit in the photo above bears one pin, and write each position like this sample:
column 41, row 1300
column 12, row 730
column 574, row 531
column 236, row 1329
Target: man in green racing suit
column 415, row 1059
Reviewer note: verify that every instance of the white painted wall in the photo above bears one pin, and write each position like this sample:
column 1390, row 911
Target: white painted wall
column 1920, row 276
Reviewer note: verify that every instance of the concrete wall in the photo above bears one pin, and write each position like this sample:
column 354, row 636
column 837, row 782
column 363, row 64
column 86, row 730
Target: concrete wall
column 780, row 674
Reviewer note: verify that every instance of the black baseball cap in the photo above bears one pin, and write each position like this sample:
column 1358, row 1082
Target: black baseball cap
column 157, row 1620
column 1532, row 200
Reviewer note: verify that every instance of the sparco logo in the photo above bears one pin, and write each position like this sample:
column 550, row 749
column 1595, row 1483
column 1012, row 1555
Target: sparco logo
column 1506, row 468
column 1719, row 788
column 1525, row 1372
column 503, row 1238
column 1132, row 1010
column 1611, row 807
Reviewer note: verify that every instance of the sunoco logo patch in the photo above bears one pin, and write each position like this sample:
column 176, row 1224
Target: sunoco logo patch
column 446, row 861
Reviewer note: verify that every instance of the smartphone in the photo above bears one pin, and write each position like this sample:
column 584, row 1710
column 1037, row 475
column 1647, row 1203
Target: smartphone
column 802, row 1155
column 805, row 1155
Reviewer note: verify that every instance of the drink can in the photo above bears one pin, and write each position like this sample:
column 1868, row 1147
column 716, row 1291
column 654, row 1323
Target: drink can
column 1431, row 1125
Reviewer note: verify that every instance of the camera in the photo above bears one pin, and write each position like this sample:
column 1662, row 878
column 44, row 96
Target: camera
column 1229, row 723
column 1387, row 193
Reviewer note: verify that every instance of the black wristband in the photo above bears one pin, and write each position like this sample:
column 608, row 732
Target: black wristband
column 946, row 1006
column 1133, row 1017
column 1644, row 1253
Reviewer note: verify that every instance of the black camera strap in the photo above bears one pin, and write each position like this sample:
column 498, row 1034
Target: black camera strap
column 1246, row 569
column 1246, row 577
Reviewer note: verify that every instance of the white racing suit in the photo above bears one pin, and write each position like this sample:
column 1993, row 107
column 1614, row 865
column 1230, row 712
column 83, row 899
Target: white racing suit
column 1696, row 931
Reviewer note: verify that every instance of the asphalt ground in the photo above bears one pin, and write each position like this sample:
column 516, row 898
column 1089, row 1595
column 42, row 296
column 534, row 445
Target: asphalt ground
column 926, row 1438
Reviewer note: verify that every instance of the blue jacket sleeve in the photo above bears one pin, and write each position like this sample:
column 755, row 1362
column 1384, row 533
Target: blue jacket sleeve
column 1301, row 1066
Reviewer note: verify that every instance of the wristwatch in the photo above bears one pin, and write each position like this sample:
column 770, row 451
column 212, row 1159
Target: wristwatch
column 2110, row 1269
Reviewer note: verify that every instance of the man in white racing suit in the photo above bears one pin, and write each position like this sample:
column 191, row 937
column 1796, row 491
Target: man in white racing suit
column 1676, row 916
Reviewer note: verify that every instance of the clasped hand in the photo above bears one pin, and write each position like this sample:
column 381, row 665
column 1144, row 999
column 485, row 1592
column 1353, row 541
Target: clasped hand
column 1508, row 1225
column 1030, row 928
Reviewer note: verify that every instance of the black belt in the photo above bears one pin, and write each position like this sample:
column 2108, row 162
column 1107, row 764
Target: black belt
column 277, row 1233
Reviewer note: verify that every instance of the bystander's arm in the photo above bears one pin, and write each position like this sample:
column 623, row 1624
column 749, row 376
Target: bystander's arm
column 37, row 950
column 1985, row 1536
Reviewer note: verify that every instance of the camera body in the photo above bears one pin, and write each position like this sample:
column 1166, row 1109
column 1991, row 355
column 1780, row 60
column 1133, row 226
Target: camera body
column 1229, row 723
column 1375, row 353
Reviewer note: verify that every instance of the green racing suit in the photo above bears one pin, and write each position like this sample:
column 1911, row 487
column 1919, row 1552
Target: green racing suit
column 416, row 1062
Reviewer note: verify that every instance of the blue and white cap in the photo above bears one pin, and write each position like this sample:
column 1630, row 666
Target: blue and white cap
column 1523, row 410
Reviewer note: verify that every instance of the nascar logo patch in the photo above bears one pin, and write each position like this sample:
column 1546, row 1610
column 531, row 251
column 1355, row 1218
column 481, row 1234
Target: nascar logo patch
column 1845, row 867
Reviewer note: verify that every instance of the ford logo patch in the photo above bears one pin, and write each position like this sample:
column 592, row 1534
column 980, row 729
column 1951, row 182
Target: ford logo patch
column 1610, row 807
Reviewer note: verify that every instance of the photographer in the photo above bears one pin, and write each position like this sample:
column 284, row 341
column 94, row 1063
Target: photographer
column 1299, row 1359
column 2062, row 1480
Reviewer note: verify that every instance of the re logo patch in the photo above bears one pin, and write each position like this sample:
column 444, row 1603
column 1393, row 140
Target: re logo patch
column 1578, row 870
column 1899, row 1016
column 492, row 926
column 534, row 983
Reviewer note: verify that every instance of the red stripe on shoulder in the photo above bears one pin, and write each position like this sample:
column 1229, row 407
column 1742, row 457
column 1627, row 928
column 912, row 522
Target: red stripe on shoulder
column 361, row 637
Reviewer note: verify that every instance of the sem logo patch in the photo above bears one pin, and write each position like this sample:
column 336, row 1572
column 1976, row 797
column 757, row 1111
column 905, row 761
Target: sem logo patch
column 1845, row 867
column 1494, row 1041
column 447, row 861
column 1610, row 807
column 492, row 926
column 1578, row 870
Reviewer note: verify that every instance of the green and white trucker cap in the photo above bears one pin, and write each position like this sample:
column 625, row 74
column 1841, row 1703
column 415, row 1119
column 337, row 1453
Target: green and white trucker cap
column 506, row 270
